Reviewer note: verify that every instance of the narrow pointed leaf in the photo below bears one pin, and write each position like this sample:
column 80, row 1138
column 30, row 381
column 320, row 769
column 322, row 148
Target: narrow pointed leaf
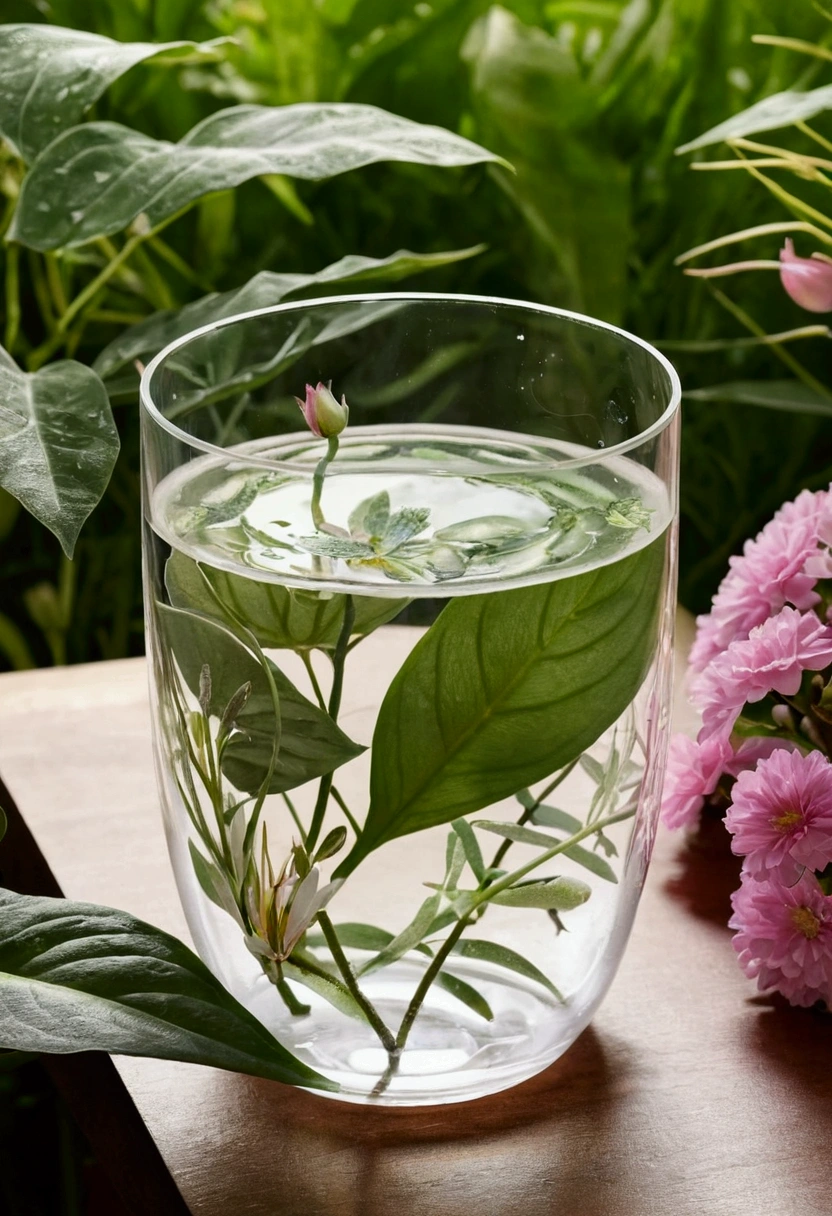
column 466, row 993
column 78, row 977
column 561, row 894
column 591, row 861
column 157, row 179
column 517, row 832
column 58, row 443
column 793, row 396
column 503, row 956
column 52, row 75
column 779, row 110
column 326, row 986
column 554, row 817
column 471, row 846
column 408, row 939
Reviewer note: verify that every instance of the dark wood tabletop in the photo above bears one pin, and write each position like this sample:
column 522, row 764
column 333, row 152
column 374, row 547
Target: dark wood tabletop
column 689, row 1095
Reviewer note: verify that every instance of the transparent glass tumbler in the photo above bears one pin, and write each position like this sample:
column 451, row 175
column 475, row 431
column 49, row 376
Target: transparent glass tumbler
column 410, row 577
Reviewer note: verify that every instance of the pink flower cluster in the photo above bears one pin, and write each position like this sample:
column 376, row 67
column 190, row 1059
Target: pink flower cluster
column 763, row 749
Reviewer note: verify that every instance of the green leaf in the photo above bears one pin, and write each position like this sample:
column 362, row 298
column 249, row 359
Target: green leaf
column 214, row 883
column 156, row 179
column 471, row 846
column 77, row 977
column 332, row 843
column 517, row 832
column 371, row 516
column 561, row 894
column 326, row 986
column 502, row 956
column 58, row 442
column 310, row 743
column 466, row 993
column 281, row 618
column 52, row 75
column 792, row 396
column 779, row 110
column 554, row 817
column 505, row 689
column 116, row 363
column 408, row 939
column 591, row 861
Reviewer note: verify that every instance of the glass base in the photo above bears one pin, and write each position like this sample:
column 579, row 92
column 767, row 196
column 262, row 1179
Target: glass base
column 452, row 1054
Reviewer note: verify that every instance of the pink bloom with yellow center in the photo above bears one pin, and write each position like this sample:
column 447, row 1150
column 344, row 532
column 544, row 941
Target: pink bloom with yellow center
column 784, row 937
column 807, row 280
column 773, row 658
column 781, row 815
column 693, row 771
column 775, row 569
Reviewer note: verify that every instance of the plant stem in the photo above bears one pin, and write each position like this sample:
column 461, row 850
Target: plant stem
column 12, row 296
column 529, row 811
column 295, row 1007
column 313, row 679
column 338, row 660
column 318, row 480
column 294, row 813
column 367, row 1008
column 351, row 820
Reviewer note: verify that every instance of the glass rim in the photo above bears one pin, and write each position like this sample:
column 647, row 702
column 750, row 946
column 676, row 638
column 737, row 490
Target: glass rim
column 594, row 456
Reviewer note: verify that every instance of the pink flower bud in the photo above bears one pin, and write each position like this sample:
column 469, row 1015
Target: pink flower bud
column 324, row 415
column 807, row 280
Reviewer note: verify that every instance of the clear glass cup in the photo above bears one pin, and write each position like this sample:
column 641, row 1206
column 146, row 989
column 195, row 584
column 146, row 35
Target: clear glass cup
column 411, row 677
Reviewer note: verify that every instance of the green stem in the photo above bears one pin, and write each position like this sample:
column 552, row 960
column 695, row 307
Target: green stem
column 348, row 815
column 318, row 480
column 295, row 1007
column 41, row 290
column 56, row 285
column 366, row 1007
column 12, row 296
column 338, row 661
column 313, row 679
column 179, row 264
column 427, row 979
column 293, row 811
column 529, row 811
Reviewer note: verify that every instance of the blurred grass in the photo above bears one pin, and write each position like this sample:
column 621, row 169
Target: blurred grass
column 589, row 99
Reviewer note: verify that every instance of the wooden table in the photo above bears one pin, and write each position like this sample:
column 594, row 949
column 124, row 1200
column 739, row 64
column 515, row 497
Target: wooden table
column 688, row 1096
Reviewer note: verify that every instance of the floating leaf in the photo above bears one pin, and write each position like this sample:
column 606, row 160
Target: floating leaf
column 77, row 977
column 280, row 618
column 58, row 442
column 310, row 743
column 505, row 689
column 503, row 956
column 156, row 179
column 51, row 75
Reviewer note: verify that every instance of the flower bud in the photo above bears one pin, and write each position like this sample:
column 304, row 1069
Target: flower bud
column 807, row 280
column 324, row 415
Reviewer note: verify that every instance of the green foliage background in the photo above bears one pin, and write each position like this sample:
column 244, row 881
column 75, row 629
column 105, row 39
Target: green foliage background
column 588, row 99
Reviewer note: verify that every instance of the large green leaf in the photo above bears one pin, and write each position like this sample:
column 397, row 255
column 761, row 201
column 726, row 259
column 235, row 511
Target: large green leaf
column 779, row 110
column 78, row 977
column 281, row 618
column 311, row 744
column 52, row 75
column 506, row 688
column 793, row 396
column 58, row 442
column 116, row 363
column 110, row 174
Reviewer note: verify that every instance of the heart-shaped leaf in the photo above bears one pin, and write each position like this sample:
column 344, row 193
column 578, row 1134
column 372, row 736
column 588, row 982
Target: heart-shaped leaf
column 110, row 174
column 58, row 442
column 506, row 688
column 311, row 744
column 78, row 977
column 281, row 618
column 52, row 75
column 116, row 363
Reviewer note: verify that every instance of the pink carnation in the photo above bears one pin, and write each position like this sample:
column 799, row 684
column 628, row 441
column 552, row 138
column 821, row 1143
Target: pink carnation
column 773, row 658
column 693, row 771
column 784, row 937
column 779, row 567
column 752, row 751
column 781, row 815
